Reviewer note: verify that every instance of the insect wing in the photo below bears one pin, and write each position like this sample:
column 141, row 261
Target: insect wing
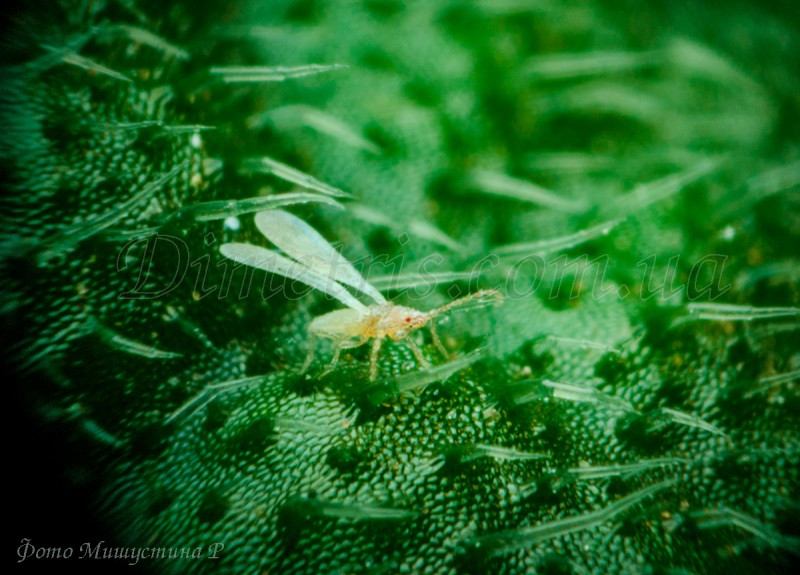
column 306, row 245
column 275, row 263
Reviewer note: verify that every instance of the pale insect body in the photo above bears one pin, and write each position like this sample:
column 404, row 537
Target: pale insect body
column 316, row 263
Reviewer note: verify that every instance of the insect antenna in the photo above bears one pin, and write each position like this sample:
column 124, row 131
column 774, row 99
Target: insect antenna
column 479, row 295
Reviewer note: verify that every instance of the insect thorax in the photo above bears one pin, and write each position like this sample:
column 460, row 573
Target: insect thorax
column 395, row 321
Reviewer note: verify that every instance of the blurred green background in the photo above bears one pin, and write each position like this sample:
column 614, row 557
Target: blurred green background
column 645, row 423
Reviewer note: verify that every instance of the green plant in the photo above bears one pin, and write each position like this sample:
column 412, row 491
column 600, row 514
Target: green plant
column 595, row 427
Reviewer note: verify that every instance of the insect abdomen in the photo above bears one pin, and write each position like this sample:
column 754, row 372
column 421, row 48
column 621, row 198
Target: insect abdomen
column 338, row 324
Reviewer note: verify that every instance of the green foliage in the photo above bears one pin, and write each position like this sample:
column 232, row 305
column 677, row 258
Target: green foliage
column 636, row 412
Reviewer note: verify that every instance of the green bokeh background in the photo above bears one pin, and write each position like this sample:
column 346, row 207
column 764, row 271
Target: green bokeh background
column 461, row 130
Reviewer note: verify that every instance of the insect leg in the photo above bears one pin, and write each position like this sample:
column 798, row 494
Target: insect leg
column 416, row 351
column 437, row 340
column 309, row 354
column 373, row 358
column 332, row 364
column 339, row 347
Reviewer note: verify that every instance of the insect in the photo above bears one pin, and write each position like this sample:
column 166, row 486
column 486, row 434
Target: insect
column 317, row 264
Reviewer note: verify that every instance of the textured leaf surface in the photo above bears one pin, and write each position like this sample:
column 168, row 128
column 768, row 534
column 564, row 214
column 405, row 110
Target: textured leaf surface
column 627, row 178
